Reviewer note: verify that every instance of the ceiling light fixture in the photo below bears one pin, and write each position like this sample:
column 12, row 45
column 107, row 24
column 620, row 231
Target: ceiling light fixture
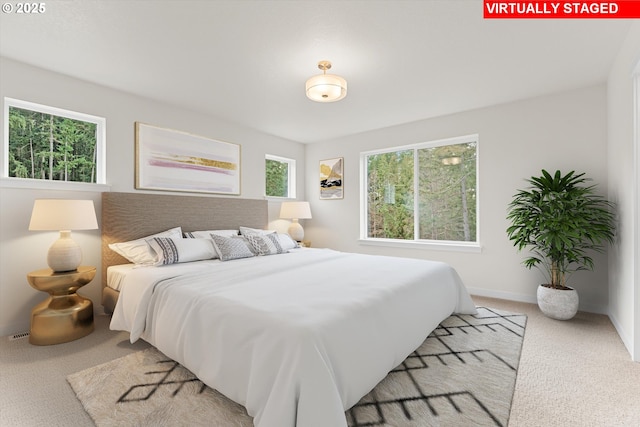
column 326, row 87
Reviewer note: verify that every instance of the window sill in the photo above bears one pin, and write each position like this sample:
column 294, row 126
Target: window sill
column 471, row 247
column 40, row 184
column 279, row 199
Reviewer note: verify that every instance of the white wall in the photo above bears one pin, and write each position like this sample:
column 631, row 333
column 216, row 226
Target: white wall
column 22, row 251
column 564, row 131
column 624, row 188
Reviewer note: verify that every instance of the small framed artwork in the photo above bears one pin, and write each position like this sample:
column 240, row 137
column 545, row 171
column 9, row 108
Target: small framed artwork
column 171, row 160
column 331, row 179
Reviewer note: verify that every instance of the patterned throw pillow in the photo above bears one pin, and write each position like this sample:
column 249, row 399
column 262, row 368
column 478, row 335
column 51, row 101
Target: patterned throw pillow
column 276, row 242
column 229, row 248
column 166, row 250
column 284, row 240
column 264, row 244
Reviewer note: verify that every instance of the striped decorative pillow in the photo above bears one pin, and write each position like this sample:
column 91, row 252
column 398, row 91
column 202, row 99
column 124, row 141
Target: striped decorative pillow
column 138, row 251
column 276, row 242
column 175, row 250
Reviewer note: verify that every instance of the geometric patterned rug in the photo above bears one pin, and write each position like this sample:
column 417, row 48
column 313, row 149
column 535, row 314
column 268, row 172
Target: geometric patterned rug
column 462, row 375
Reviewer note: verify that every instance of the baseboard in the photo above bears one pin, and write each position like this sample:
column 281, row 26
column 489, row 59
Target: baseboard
column 626, row 339
column 511, row 296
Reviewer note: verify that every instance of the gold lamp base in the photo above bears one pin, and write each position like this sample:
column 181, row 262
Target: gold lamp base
column 64, row 316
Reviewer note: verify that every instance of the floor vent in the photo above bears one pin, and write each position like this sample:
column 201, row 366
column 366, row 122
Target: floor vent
column 18, row 336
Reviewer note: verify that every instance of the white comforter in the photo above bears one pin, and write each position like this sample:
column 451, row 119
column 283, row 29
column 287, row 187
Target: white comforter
column 296, row 338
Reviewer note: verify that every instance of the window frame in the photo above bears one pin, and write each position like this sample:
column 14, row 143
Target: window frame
column 7, row 181
column 446, row 245
column 291, row 177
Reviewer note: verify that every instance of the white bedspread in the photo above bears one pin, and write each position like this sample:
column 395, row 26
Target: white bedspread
column 296, row 338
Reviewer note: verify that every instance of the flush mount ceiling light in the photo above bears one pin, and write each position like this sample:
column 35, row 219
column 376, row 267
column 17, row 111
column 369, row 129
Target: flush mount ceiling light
column 326, row 87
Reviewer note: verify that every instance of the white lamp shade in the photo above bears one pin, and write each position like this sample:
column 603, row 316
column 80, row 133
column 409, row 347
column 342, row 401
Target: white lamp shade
column 295, row 210
column 59, row 214
column 326, row 88
column 63, row 215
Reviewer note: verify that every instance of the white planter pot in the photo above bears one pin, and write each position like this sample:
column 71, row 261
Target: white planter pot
column 558, row 303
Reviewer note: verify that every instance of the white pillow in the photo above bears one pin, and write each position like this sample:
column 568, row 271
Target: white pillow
column 287, row 242
column 229, row 248
column 173, row 251
column 248, row 230
column 206, row 234
column 138, row 251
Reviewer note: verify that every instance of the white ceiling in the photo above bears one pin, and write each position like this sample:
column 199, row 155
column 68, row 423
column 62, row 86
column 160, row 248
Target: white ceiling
column 247, row 61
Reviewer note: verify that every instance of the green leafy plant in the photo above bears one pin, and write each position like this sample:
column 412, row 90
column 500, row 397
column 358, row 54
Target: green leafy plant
column 561, row 221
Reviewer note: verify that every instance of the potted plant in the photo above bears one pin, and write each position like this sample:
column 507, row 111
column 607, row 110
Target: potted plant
column 561, row 221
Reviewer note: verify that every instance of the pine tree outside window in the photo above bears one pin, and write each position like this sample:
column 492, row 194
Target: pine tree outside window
column 423, row 193
column 280, row 173
column 51, row 144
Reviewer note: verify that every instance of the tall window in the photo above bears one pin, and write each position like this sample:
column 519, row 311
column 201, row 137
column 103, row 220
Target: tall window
column 423, row 192
column 280, row 174
column 48, row 143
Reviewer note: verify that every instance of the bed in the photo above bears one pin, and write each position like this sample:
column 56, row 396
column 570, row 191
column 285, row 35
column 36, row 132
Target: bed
column 298, row 336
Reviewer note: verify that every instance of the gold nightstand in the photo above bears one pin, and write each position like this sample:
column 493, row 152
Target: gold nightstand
column 65, row 315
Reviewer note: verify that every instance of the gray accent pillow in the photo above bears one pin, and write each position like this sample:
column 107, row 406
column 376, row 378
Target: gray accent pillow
column 264, row 244
column 229, row 248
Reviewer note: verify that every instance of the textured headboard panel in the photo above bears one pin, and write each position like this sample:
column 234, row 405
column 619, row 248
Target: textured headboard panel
column 128, row 216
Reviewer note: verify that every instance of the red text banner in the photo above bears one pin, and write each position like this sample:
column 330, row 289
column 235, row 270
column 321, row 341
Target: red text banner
column 623, row 9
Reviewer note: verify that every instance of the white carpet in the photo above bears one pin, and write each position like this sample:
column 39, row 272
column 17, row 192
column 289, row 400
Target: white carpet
column 463, row 374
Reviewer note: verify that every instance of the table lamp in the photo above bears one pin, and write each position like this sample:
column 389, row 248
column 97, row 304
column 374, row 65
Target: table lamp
column 295, row 211
column 64, row 216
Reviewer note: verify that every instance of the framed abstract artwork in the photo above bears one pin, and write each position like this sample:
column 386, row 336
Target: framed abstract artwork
column 171, row 160
column 331, row 179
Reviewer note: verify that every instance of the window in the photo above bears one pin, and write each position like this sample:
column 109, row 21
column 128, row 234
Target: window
column 52, row 144
column 425, row 193
column 280, row 175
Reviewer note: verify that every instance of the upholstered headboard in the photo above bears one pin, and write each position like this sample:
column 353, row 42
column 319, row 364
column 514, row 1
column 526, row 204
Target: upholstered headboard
column 129, row 216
